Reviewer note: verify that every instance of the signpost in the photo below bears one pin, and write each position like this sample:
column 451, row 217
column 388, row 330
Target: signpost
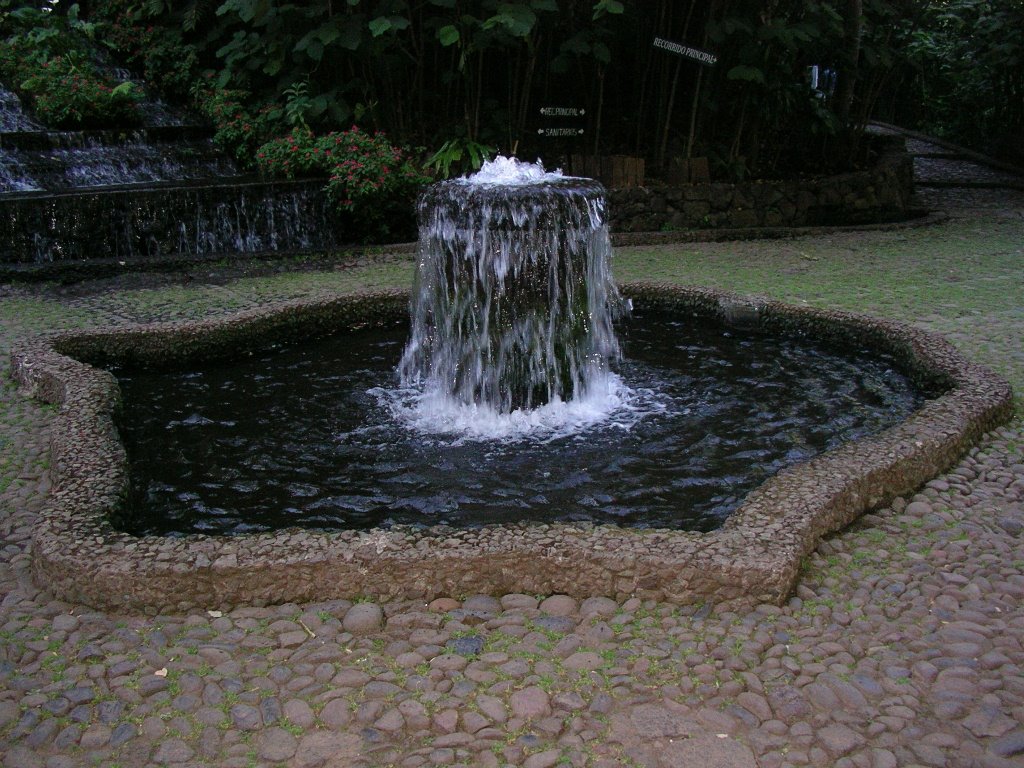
column 564, row 113
column 563, row 132
column 695, row 169
column 701, row 57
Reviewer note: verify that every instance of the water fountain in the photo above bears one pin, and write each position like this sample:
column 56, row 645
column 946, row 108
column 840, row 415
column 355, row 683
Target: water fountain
column 513, row 300
column 512, row 367
column 556, row 347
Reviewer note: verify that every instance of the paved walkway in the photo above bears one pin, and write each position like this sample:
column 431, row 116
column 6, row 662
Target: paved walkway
column 903, row 646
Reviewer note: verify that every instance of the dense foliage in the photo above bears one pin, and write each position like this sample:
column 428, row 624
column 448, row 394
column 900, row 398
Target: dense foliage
column 962, row 75
column 459, row 76
column 464, row 76
column 371, row 181
column 47, row 60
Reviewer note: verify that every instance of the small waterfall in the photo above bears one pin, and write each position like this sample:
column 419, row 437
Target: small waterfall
column 12, row 114
column 166, row 220
column 162, row 190
column 513, row 299
column 58, row 161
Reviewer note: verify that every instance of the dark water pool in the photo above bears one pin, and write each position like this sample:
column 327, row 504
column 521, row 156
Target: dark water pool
column 307, row 436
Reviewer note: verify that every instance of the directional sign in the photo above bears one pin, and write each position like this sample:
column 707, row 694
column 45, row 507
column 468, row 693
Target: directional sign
column 562, row 111
column 560, row 131
column 701, row 57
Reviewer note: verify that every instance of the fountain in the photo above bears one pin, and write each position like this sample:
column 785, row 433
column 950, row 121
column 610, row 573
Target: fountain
column 512, row 367
column 512, row 317
column 513, row 300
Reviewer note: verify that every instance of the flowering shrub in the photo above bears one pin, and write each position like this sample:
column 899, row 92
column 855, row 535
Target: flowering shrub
column 66, row 97
column 371, row 181
column 66, row 90
column 237, row 129
column 158, row 53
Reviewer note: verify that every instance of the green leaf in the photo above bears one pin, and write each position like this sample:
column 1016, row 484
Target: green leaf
column 744, row 72
column 350, row 36
column 448, row 35
column 380, row 25
column 517, row 19
column 544, row 5
column 603, row 7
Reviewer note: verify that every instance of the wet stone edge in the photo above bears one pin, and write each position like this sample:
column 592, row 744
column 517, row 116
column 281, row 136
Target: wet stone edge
column 755, row 557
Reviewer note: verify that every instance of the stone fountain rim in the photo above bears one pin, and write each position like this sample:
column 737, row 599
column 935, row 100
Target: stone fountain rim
column 755, row 557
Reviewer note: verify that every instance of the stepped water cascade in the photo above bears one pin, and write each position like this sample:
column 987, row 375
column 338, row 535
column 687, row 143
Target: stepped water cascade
column 161, row 190
column 513, row 301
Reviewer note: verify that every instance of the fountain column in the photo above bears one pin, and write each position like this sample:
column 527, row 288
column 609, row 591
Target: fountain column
column 513, row 299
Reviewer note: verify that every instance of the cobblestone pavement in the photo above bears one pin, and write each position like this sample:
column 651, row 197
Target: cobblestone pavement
column 903, row 646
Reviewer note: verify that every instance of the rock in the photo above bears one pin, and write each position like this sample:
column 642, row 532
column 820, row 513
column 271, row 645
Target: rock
column 123, row 733
column 838, row 739
column 245, row 717
column 544, row 759
column 706, row 750
column 173, row 751
column 482, row 603
column 276, row 744
column 788, row 703
column 20, row 756
column 652, row 721
column 336, row 713
column 270, row 710
column 447, row 720
column 598, row 606
column 363, row 619
column 95, row 736
column 560, row 624
column 299, row 713
column 530, row 703
column 443, row 605
column 756, row 704
column 559, row 605
column 518, row 602
column 492, row 707
column 918, row 509
column 320, row 748
column 292, row 639
column 1010, row 745
column 1011, row 525
column 390, row 721
column 585, row 660
column 466, row 645
column 988, row 720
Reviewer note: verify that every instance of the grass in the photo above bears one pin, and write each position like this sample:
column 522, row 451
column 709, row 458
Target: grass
column 961, row 278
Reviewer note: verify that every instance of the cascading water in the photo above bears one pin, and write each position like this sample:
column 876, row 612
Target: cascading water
column 513, row 300
column 161, row 190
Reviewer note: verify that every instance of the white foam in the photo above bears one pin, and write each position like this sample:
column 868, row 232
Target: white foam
column 511, row 171
column 609, row 402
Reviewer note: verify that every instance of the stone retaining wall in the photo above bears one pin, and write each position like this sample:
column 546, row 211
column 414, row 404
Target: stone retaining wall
column 879, row 194
column 755, row 557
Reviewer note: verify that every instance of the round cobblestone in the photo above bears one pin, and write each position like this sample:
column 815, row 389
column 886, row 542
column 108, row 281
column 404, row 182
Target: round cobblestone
column 903, row 645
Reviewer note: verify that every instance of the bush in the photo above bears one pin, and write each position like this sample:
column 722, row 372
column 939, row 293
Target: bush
column 371, row 182
column 158, row 53
column 238, row 130
column 65, row 89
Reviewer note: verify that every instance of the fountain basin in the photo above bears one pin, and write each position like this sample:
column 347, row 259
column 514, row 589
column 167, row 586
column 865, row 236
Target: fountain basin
column 754, row 557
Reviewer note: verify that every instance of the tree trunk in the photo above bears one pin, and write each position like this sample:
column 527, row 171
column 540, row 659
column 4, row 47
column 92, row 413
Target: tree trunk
column 851, row 54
